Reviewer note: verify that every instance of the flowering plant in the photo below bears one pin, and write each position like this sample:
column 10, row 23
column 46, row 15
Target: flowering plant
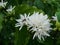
column 29, row 22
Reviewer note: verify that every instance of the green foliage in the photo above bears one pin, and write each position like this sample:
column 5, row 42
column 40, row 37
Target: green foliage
column 24, row 8
column 58, row 15
column 1, row 19
column 10, row 35
column 22, row 37
column 47, row 7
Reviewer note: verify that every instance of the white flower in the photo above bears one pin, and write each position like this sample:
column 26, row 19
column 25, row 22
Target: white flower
column 10, row 9
column 22, row 21
column 40, row 25
column 3, row 4
column 54, row 18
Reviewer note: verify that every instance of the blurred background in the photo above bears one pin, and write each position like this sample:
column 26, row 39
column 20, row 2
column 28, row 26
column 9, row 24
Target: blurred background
column 10, row 35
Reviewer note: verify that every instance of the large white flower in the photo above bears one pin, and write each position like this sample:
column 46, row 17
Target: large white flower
column 3, row 4
column 22, row 21
column 40, row 25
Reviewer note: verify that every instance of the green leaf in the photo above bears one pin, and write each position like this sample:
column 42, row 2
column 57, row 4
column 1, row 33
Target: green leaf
column 39, row 4
column 58, row 15
column 22, row 37
column 24, row 8
column 49, row 9
column 58, row 40
column 1, row 19
column 16, row 2
column 48, row 41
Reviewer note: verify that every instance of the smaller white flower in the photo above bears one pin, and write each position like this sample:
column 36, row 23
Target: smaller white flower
column 3, row 4
column 54, row 18
column 10, row 9
column 22, row 21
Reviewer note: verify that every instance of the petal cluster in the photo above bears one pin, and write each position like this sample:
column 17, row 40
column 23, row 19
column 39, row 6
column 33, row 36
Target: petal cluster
column 37, row 22
column 54, row 18
column 10, row 9
column 22, row 21
column 40, row 24
column 3, row 4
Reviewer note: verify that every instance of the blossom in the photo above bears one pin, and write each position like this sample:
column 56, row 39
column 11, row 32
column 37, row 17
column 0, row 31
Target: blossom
column 54, row 18
column 10, row 9
column 3, row 4
column 22, row 21
column 40, row 25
